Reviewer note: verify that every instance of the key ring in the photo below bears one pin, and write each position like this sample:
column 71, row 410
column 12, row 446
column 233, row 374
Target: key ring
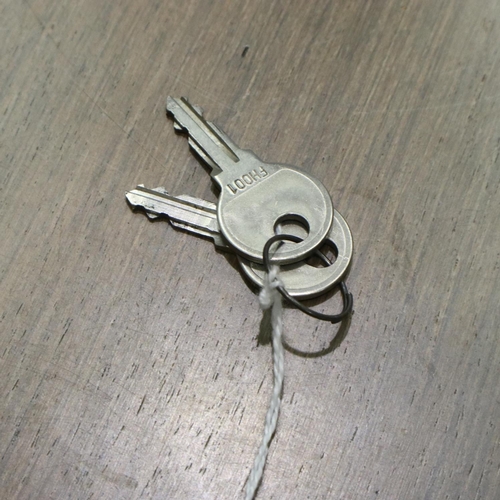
column 346, row 295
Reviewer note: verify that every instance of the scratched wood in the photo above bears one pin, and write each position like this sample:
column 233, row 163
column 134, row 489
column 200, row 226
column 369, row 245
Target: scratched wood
column 130, row 358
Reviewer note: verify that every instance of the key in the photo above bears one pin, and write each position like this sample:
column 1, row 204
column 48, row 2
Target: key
column 200, row 217
column 255, row 196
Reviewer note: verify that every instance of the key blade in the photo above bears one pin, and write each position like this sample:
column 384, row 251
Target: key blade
column 182, row 209
column 199, row 110
column 203, row 156
column 207, row 139
column 186, row 212
column 194, row 146
column 217, row 238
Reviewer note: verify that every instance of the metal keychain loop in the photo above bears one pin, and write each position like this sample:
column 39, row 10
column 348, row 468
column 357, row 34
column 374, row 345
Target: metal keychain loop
column 347, row 298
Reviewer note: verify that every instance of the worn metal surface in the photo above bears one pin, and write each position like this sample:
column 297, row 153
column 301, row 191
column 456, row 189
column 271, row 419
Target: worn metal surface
column 133, row 370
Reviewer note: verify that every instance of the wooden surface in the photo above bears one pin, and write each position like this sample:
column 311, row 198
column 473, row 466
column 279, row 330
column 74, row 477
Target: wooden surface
column 129, row 354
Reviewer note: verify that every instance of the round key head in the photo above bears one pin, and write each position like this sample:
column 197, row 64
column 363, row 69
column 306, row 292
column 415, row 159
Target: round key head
column 253, row 204
column 302, row 280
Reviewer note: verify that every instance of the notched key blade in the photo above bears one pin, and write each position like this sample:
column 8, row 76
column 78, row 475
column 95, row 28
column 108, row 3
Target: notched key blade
column 189, row 119
column 186, row 212
column 137, row 200
column 198, row 201
column 177, row 126
column 201, row 154
column 217, row 238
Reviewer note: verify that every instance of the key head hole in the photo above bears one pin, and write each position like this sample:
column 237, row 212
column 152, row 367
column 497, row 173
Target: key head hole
column 293, row 224
column 330, row 252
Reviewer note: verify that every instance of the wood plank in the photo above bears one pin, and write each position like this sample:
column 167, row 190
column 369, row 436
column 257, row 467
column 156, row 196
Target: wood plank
column 129, row 351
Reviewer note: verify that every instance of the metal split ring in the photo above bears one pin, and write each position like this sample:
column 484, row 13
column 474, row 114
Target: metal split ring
column 347, row 298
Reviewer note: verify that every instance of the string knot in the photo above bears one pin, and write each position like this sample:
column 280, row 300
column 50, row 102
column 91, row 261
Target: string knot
column 269, row 292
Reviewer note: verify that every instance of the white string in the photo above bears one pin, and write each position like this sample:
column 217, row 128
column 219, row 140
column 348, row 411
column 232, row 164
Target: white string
column 270, row 297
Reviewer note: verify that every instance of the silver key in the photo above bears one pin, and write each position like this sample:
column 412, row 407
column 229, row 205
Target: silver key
column 200, row 217
column 255, row 196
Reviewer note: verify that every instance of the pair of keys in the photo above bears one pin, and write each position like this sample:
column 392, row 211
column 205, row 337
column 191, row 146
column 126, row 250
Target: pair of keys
column 257, row 200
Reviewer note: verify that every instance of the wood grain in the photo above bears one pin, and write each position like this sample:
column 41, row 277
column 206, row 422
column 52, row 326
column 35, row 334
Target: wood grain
column 129, row 354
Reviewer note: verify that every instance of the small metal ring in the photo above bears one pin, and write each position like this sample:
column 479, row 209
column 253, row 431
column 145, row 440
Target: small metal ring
column 346, row 296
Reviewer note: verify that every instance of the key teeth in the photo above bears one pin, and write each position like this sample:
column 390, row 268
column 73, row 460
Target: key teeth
column 138, row 207
column 128, row 197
